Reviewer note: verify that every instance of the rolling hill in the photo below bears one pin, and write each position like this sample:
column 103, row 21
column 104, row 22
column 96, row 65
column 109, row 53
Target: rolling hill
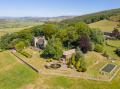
column 94, row 17
column 104, row 25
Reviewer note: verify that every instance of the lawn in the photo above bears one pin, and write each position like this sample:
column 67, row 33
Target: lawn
column 115, row 43
column 14, row 74
column 111, row 50
column 59, row 82
column 22, row 77
column 104, row 25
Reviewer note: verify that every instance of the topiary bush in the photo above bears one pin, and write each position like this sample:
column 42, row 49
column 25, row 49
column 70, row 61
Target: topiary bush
column 99, row 48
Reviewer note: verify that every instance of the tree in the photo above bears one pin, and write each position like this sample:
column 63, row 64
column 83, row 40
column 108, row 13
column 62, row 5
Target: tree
column 37, row 31
column 5, row 41
column 73, row 59
column 50, row 30
column 82, row 28
column 20, row 46
column 115, row 33
column 53, row 48
column 97, row 36
column 84, row 43
column 72, row 36
column 79, row 54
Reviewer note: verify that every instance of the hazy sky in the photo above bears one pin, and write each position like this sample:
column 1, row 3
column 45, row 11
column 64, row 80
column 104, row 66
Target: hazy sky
column 48, row 8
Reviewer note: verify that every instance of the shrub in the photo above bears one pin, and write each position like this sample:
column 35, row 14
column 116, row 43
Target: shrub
column 98, row 48
column 92, row 46
column 105, row 54
column 118, row 52
column 77, row 65
column 49, row 60
column 73, row 59
column 20, row 46
column 26, row 54
column 81, row 69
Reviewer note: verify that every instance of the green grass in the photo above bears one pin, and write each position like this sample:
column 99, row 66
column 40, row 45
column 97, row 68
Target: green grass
column 16, row 77
column 58, row 82
column 21, row 76
column 115, row 43
column 104, row 25
column 14, row 74
column 10, row 27
column 111, row 50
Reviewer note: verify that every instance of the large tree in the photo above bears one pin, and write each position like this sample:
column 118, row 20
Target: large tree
column 84, row 43
column 50, row 30
column 97, row 36
column 53, row 48
column 82, row 28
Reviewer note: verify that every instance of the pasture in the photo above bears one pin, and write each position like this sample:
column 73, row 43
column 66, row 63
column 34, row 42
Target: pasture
column 104, row 25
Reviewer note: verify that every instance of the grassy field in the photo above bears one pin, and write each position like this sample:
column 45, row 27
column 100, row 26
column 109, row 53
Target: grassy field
column 111, row 50
column 115, row 43
column 19, row 76
column 12, row 73
column 11, row 29
column 59, row 82
column 104, row 25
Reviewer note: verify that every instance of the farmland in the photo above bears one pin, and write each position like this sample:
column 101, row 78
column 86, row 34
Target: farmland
column 15, row 26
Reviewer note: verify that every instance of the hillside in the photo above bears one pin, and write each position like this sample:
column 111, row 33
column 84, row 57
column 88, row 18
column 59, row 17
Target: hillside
column 94, row 17
column 104, row 25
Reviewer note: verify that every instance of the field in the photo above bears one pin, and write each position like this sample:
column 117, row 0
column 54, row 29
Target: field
column 13, row 74
column 15, row 26
column 19, row 76
column 104, row 25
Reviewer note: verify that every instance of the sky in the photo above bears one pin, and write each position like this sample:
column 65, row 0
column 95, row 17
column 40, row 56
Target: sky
column 51, row 8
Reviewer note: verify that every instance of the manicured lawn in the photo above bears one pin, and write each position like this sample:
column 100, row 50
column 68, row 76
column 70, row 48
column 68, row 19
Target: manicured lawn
column 12, row 73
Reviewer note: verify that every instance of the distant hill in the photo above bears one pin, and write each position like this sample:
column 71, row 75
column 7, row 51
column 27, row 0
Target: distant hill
column 94, row 17
column 18, row 22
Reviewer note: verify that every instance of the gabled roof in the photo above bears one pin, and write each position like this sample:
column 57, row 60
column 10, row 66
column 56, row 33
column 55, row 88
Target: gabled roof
column 40, row 41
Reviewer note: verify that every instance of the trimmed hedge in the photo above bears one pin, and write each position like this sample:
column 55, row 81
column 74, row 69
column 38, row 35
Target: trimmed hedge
column 26, row 54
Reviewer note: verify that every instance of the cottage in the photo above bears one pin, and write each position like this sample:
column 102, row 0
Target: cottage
column 39, row 42
column 68, row 54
